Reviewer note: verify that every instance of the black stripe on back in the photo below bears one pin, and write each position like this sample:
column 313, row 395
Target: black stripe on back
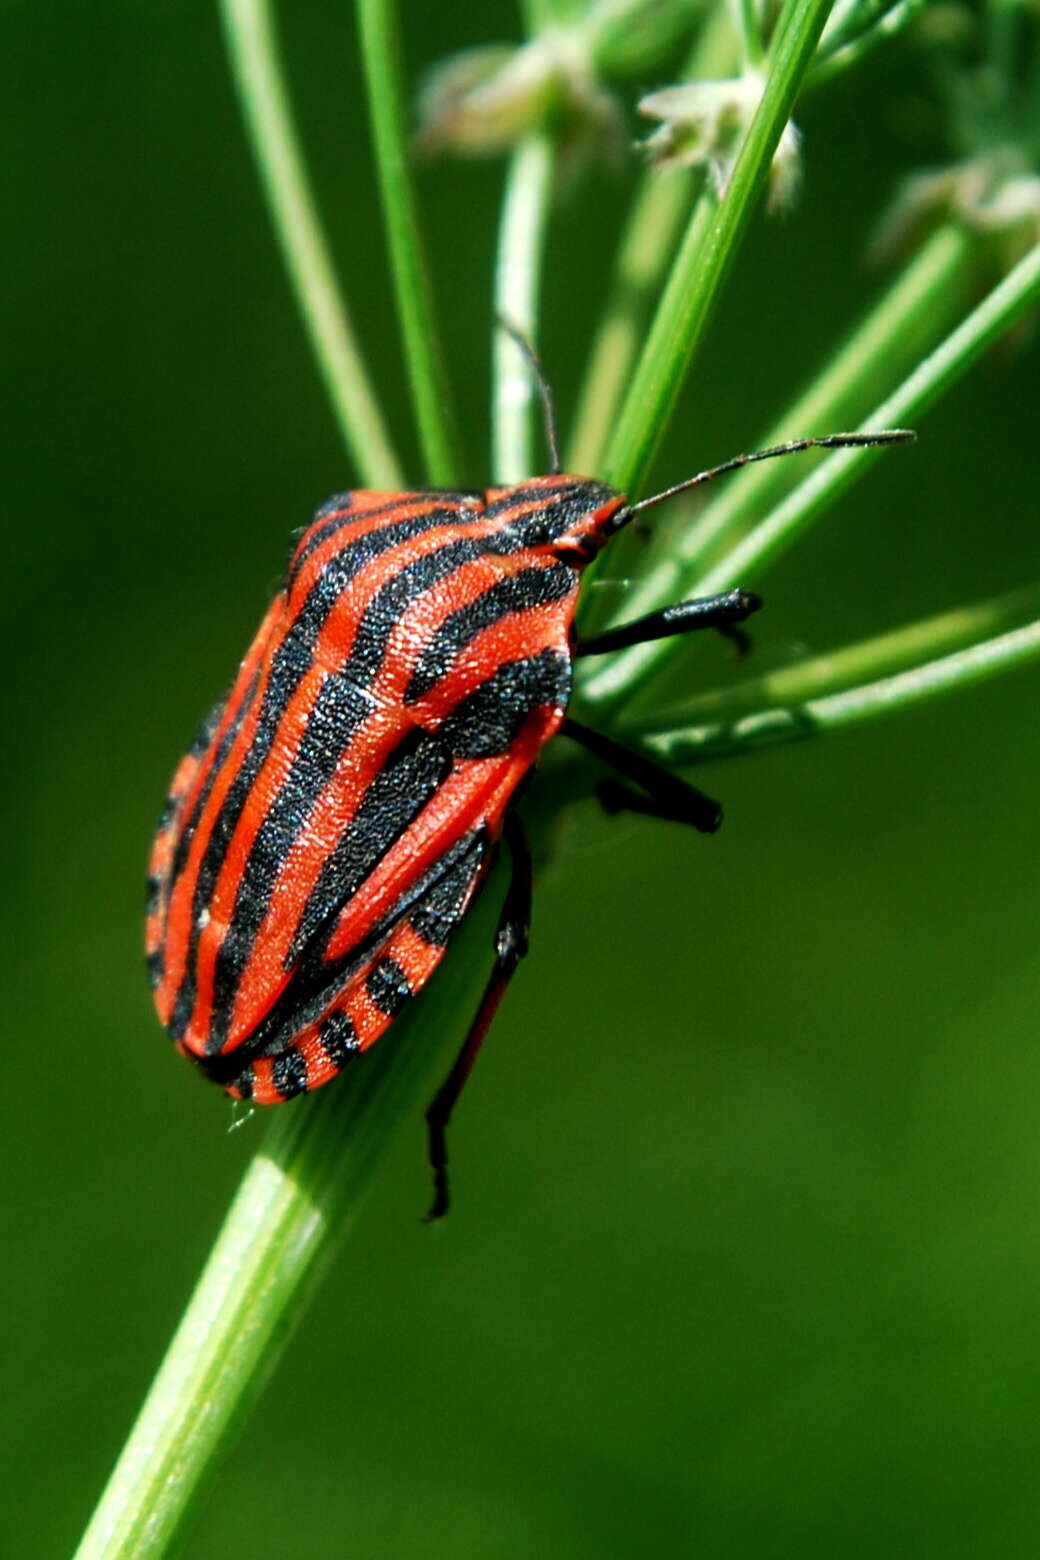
column 560, row 510
column 289, row 665
column 338, row 710
column 486, row 723
column 197, row 749
column 513, row 593
column 531, row 493
column 388, row 986
column 452, row 509
column 386, row 608
column 289, row 1073
column 439, row 911
column 294, row 655
column 395, row 796
column 316, row 983
column 338, row 1038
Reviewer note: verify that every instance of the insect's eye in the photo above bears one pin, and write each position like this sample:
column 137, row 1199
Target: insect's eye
column 575, row 550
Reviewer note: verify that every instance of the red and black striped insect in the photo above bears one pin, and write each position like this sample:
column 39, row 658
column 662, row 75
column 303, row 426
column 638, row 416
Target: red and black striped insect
column 340, row 808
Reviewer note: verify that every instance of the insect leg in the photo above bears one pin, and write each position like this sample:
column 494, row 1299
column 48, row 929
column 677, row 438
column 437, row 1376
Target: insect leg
column 510, row 947
column 720, row 612
column 660, row 795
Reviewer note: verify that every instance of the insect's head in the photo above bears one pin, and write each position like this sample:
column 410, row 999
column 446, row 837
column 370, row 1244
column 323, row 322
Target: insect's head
column 582, row 515
column 584, row 518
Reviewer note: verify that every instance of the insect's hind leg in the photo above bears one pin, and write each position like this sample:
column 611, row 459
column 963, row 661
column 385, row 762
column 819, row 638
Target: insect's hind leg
column 660, row 795
column 721, row 612
column 510, row 947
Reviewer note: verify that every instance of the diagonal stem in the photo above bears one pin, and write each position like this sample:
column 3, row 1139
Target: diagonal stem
column 817, row 716
column 704, row 262
column 941, row 369
column 653, row 228
column 657, row 218
column 908, row 319
column 867, row 660
column 630, row 672
column 303, row 1188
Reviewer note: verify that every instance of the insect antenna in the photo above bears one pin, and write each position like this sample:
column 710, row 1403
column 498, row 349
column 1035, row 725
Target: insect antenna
column 830, row 441
column 544, row 390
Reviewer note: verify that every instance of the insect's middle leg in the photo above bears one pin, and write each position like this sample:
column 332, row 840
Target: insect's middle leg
column 510, row 947
column 660, row 795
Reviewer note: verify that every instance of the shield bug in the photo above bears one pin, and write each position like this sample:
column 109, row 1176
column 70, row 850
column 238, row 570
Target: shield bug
column 339, row 810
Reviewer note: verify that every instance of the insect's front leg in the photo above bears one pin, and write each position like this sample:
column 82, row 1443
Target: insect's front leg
column 510, row 947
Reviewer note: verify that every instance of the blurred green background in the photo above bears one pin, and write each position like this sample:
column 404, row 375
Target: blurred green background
column 746, row 1253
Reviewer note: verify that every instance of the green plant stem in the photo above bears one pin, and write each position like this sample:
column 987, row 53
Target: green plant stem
column 517, row 277
column 380, row 50
column 852, row 54
column 651, row 233
column 810, row 717
column 302, row 1190
column 647, row 247
column 254, row 58
column 630, row 671
column 658, row 214
column 939, row 371
column 839, row 671
column 909, row 317
column 704, row 261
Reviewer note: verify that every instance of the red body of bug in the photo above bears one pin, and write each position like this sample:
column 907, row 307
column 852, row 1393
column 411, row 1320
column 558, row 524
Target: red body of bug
column 332, row 822
column 328, row 830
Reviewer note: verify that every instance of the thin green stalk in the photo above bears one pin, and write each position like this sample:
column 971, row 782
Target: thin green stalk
column 380, row 50
column 303, row 1188
column 658, row 214
column 839, row 671
column 817, row 716
column 254, row 57
column 939, row 371
column 517, row 278
column 849, row 55
column 646, row 250
column 703, row 263
column 908, row 318
column 631, row 670
column 647, row 247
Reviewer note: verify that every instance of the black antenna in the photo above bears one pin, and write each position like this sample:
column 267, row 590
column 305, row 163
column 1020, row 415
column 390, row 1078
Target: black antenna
column 830, row 441
column 548, row 408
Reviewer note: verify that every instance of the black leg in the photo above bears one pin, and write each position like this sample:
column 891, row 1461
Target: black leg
column 738, row 638
column 666, row 795
column 617, row 797
column 720, row 612
column 510, row 947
